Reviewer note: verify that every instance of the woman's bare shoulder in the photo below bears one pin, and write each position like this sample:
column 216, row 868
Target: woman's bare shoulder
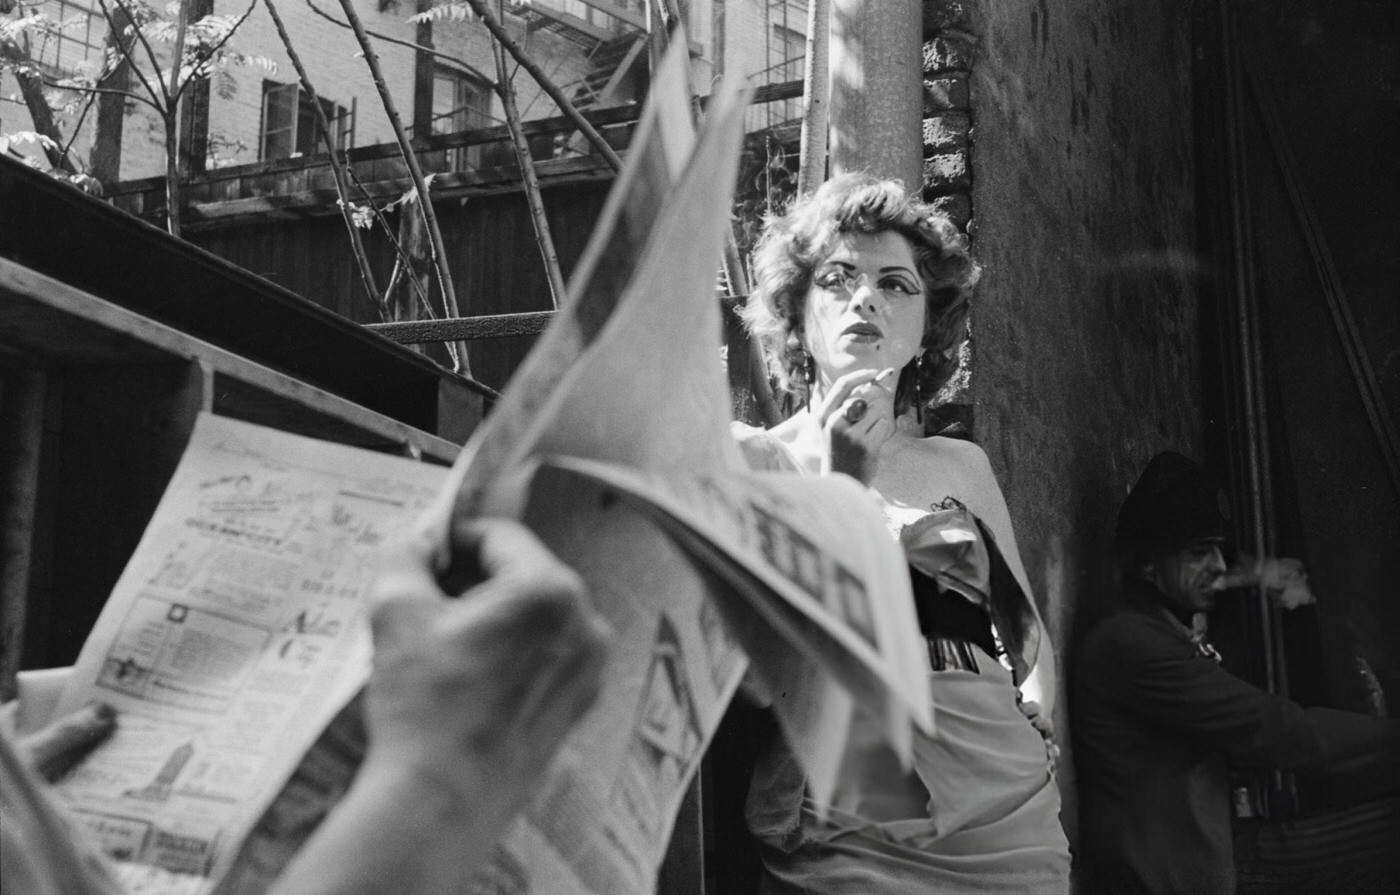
column 959, row 464
column 957, row 451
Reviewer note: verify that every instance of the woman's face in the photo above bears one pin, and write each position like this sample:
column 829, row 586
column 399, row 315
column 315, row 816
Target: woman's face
column 865, row 308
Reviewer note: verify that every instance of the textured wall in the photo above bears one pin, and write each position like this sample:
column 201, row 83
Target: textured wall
column 1085, row 356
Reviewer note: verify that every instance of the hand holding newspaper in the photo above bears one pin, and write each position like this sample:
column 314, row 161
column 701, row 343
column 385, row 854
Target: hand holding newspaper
column 237, row 632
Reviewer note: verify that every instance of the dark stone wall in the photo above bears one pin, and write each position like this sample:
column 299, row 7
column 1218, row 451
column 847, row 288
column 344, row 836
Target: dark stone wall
column 1085, row 340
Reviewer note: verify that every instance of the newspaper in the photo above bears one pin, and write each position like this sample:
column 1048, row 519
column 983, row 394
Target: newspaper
column 234, row 635
column 792, row 572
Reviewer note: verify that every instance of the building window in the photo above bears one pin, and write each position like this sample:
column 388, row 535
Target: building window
column 76, row 34
column 289, row 122
column 789, row 51
column 787, row 57
column 460, row 102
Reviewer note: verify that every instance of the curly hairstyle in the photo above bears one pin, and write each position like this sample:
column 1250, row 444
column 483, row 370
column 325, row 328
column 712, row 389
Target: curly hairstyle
column 795, row 243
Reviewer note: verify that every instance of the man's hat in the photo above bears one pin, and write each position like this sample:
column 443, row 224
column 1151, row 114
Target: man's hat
column 1175, row 500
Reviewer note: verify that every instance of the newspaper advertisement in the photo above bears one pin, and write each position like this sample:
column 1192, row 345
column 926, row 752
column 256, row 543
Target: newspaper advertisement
column 603, row 819
column 234, row 635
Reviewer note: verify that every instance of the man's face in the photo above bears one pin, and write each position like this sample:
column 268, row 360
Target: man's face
column 1190, row 576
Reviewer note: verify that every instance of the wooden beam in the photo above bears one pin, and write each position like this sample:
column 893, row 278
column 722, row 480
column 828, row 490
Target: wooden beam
column 617, row 12
column 495, row 326
column 127, row 262
column 484, row 182
column 620, row 72
column 30, row 297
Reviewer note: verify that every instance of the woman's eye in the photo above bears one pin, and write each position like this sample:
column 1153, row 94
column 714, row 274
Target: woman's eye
column 833, row 279
column 899, row 287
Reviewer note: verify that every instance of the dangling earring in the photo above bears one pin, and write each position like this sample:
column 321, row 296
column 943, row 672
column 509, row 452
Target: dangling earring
column 809, row 374
column 797, row 351
column 919, row 389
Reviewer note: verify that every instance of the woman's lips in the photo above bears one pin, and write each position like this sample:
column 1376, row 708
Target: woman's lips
column 863, row 332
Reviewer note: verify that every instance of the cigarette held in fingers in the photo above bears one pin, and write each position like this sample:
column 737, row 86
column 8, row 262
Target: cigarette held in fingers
column 884, row 381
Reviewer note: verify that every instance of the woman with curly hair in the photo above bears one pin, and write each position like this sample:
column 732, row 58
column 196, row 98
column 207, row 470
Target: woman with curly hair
column 861, row 303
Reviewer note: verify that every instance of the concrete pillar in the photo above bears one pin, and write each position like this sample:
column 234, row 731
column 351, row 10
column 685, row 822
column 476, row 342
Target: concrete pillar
column 876, row 80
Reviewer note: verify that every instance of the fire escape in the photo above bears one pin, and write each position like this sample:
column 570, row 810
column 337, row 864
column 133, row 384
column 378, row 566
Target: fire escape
column 613, row 34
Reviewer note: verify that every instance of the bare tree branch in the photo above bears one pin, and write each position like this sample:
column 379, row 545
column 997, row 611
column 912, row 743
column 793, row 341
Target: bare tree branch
column 178, row 57
column 531, row 182
column 157, row 96
column 94, row 89
column 200, row 70
column 337, row 163
column 415, row 170
column 471, row 70
column 31, row 88
column 78, row 125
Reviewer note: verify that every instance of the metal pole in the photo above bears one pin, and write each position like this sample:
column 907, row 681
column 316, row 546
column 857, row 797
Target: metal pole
column 876, row 58
column 816, row 104
column 22, row 396
column 1252, row 448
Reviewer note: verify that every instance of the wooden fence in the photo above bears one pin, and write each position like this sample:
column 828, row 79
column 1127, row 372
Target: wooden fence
column 491, row 250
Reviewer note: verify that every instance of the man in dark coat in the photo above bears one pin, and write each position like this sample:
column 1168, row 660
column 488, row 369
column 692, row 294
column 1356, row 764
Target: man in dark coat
column 1157, row 722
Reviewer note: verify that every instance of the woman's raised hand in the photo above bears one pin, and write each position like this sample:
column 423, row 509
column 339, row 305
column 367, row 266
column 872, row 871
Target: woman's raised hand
column 856, row 417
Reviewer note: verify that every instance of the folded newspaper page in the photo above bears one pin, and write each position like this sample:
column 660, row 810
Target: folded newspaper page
column 809, row 557
column 603, row 819
column 234, row 635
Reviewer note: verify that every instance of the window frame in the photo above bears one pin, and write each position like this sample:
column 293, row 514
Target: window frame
column 472, row 104
column 301, row 137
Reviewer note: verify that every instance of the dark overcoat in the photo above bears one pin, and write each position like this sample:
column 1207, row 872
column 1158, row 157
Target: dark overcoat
column 1157, row 722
